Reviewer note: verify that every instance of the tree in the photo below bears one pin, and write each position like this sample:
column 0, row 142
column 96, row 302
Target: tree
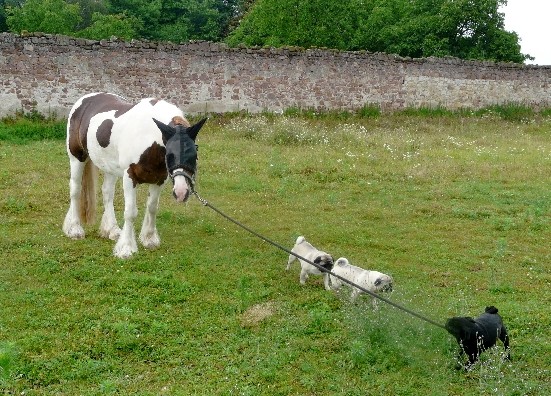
column 163, row 20
column 47, row 16
column 179, row 20
column 147, row 12
column 4, row 4
column 306, row 23
column 468, row 29
column 87, row 9
column 105, row 26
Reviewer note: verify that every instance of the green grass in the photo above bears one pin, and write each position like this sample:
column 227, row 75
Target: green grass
column 457, row 208
column 25, row 127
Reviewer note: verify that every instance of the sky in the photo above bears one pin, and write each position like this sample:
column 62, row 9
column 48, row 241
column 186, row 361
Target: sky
column 530, row 19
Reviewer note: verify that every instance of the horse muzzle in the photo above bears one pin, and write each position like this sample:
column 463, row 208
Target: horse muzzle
column 182, row 185
column 182, row 196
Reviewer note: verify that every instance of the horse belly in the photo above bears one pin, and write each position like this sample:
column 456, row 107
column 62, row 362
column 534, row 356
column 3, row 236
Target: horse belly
column 105, row 158
column 102, row 148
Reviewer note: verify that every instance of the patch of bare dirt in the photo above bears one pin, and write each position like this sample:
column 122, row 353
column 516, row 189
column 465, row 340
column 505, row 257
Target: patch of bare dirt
column 257, row 313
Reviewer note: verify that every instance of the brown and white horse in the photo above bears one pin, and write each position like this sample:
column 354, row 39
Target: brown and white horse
column 143, row 143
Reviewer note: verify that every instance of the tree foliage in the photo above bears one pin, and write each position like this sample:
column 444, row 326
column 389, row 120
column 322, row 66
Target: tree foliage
column 4, row 4
column 468, row 29
column 48, row 16
column 103, row 26
column 164, row 20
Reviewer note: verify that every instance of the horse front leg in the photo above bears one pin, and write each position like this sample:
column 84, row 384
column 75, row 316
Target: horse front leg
column 149, row 237
column 109, row 227
column 126, row 244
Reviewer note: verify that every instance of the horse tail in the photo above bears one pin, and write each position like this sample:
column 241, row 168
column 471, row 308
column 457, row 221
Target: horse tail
column 88, row 193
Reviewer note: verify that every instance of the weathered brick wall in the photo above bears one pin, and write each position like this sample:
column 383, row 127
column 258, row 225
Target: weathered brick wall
column 49, row 73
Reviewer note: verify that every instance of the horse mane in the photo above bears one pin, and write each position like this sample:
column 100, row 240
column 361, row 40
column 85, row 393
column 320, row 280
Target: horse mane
column 177, row 120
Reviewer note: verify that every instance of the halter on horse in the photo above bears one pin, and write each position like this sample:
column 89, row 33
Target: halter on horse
column 143, row 143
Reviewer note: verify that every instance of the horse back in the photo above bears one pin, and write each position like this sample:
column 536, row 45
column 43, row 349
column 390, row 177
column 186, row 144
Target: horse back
column 120, row 136
column 82, row 112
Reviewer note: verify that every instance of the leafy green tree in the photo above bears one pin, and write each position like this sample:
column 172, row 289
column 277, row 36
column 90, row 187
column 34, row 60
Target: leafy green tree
column 306, row 23
column 179, row 20
column 105, row 26
column 3, row 5
column 164, row 20
column 147, row 12
column 87, row 9
column 183, row 20
column 47, row 16
column 468, row 29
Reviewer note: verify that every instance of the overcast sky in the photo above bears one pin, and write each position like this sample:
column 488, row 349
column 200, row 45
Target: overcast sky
column 531, row 20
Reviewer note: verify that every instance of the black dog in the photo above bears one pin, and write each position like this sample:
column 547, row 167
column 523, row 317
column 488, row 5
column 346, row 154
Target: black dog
column 476, row 335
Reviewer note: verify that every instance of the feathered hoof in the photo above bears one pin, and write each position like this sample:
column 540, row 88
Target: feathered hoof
column 112, row 233
column 124, row 251
column 150, row 241
column 74, row 231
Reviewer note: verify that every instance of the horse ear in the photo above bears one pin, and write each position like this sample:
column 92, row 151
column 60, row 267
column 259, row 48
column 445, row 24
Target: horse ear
column 193, row 130
column 166, row 130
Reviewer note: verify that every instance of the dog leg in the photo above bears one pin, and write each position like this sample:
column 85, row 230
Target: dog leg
column 335, row 282
column 460, row 358
column 291, row 259
column 326, row 281
column 375, row 303
column 354, row 294
column 504, row 337
column 303, row 277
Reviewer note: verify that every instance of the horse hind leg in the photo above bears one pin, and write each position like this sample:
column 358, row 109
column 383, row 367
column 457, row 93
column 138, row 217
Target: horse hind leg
column 109, row 227
column 82, row 200
column 149, row 237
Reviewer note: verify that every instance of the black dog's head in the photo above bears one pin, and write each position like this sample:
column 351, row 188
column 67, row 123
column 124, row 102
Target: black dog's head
column 461, row 327
column 325, row 261
column 478, row 334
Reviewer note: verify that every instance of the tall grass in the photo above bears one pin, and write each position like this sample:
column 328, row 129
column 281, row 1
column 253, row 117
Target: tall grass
column 24, row 127
column 456, row 208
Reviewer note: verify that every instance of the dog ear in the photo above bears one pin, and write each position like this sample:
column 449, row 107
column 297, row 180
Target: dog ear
column 378, row 281
column 491, row 310
column 317, row 260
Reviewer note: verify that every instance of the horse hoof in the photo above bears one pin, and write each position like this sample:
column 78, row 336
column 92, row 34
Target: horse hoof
column 75, row 232
column 124, row 252
column 150, row 241
column 112, row 233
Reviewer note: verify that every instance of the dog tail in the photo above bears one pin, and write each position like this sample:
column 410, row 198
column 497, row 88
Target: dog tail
column 299, row 240
column 341, row 261
column 491, row 310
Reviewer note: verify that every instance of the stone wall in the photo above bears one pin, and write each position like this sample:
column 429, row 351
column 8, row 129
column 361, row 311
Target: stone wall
column 49, row 73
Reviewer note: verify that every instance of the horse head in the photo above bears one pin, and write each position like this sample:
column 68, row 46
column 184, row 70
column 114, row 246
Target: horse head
column 181, row 155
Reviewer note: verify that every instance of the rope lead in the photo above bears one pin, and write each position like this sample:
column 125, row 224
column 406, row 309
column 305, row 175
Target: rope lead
column 419, row 316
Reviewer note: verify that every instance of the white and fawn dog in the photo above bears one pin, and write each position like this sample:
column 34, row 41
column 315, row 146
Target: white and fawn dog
column 373, row 281
column 304, row 249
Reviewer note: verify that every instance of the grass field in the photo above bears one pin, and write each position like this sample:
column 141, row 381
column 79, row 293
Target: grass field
column 456, row 207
